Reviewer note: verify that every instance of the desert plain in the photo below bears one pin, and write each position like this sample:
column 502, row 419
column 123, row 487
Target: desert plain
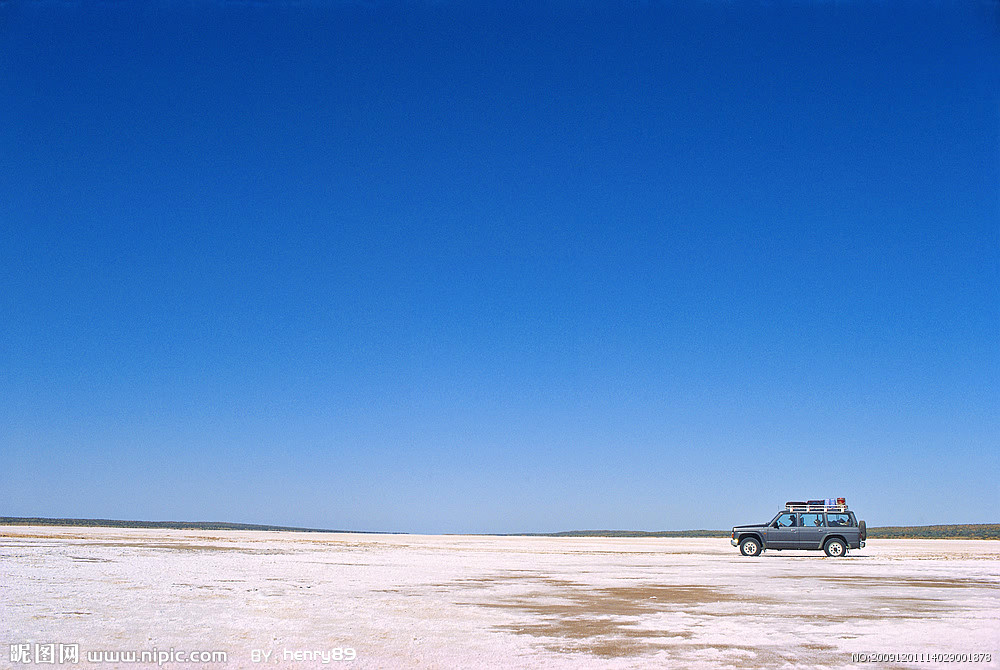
column 292, row 600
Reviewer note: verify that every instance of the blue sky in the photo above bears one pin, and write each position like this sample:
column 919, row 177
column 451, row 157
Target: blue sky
column 471, row 267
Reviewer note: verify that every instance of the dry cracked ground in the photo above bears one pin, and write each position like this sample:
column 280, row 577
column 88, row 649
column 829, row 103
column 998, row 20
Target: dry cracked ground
column 292, row 600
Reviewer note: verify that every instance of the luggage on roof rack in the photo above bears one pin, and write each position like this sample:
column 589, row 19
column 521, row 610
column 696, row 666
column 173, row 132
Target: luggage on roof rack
column 827, row 505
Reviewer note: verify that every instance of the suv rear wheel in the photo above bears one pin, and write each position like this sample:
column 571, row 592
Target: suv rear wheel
column 835, row 548
column 750, row 547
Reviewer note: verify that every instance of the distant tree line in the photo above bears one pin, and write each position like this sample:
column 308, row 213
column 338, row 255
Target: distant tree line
column 961, row 531
column 175, row 525
column 964, row 531
column 630, row 533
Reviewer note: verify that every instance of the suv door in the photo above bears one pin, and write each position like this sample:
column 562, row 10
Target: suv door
column 783, row 532
column 812, row 530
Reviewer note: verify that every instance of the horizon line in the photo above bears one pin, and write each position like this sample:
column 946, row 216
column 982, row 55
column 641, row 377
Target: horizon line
column 71, row 522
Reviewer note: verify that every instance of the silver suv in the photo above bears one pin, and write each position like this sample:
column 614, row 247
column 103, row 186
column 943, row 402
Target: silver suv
column 814, row 524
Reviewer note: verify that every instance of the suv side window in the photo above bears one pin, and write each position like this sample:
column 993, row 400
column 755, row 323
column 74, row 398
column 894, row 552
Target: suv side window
column 839, row 519
column 812, row 520
column 786, row 520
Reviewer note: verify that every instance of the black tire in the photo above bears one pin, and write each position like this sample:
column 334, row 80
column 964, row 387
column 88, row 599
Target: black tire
column 750, row 546
column 835, row 548
column 862, row 531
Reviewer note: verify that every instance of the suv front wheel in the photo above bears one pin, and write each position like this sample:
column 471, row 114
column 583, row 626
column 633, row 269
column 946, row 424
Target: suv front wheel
column 750, row 547
column 835, row 548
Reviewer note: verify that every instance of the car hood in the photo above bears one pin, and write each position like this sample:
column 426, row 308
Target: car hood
column 750, row 525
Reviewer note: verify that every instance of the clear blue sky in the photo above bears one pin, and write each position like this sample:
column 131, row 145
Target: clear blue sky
column 457, row 267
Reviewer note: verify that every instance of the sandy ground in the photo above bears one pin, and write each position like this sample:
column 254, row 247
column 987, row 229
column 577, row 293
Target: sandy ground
column 403, row 601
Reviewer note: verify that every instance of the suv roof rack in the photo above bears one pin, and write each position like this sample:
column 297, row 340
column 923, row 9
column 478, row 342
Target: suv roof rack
column 816, row 508
column 828, row 505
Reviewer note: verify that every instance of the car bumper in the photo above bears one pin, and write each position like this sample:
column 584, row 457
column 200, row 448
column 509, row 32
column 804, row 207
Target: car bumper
column 734, row 542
